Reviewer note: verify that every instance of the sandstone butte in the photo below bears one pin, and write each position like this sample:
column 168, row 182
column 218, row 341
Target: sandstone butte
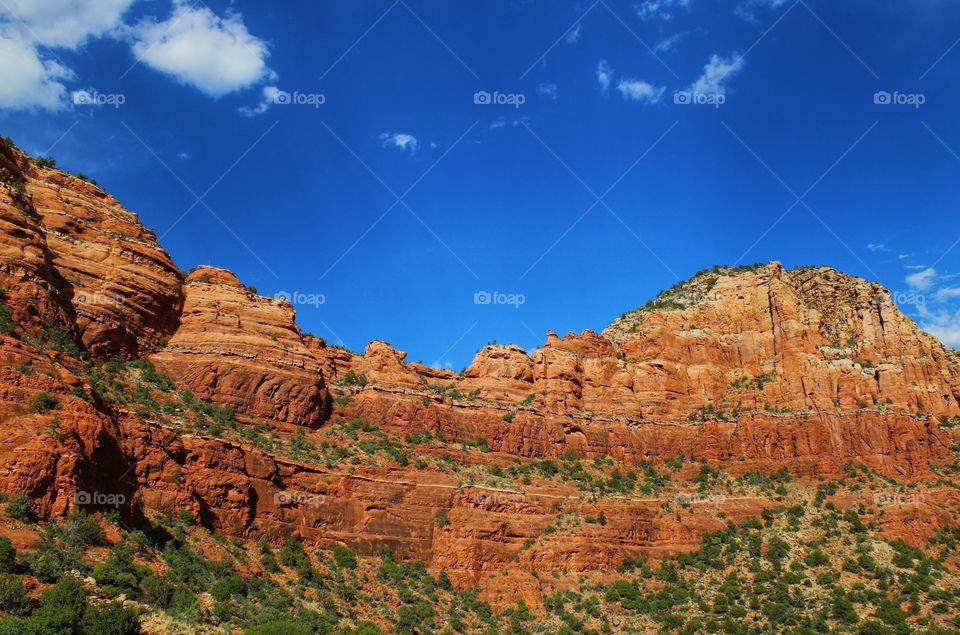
column 752, row 368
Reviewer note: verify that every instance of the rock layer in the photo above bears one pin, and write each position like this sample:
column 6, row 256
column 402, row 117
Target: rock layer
column 753, row 368
column 245, row 352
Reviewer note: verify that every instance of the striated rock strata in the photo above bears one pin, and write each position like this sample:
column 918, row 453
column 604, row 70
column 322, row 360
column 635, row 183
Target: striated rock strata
column 749, row 369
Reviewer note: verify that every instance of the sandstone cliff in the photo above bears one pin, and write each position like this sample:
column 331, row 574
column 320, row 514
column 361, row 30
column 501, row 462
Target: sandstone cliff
column 748, row 370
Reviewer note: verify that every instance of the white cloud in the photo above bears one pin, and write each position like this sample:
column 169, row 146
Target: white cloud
column 715, row 73
column 947, row 293
column 877, row 247
column 748, row 8
column 400, row 140
column 267, row 99
column 503, row 123
column 604, row 75
column 637, row 90
column 573, row 35
column 29, row 81
column 64, row 23
column 922, row 280
column 944, row 325
column 547, row 89
column 660, row 9
column 215, row 55
column 667, row 43
column 35, row 80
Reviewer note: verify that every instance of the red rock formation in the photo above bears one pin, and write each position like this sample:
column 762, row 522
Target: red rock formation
column 72, row 256
column 244, row 351
column 753, row 369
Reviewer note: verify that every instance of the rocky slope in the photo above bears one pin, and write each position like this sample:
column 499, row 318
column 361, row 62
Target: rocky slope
column 268, row 433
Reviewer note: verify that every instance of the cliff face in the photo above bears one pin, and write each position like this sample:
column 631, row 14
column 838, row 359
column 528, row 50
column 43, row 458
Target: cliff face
column 747, row 370
column 244, row 352
column 74, row 258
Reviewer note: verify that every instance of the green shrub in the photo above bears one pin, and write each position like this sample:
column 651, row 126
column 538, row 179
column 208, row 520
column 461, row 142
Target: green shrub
column 45, row 162
column 184, row 604
column 44, row 402
column 351, row 378
column 13, row 595
column 286, row 627
column 82, row 529
column 8, row 556
column 49, row 562
column 816, row 558
column 118, row 573
column 62, row 607
column 21, row 508
column 157, row 591
column 228, row 586
column 111, row 618
column 344, row 557
column 7, row 325
column 291, row 554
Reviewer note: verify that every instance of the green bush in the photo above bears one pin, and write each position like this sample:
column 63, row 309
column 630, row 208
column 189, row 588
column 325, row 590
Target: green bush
column 20, row 508
column 292, row 555
column 51, row 561
column 118, row 573
column 157, row 591
column 7, row 325
column 13, row 595
column 184, row 604
column 45, row 162
column 62, row 607
column 228, row 586
column 8, row 556
column 816, row 558
column 344, row 557
column 283, row 627
column 81, row 529
column 351, row 378
column 44, row 402
column 110, row 618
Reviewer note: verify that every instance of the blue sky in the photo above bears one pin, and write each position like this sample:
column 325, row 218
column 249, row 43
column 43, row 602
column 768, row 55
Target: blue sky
column 443, row 174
